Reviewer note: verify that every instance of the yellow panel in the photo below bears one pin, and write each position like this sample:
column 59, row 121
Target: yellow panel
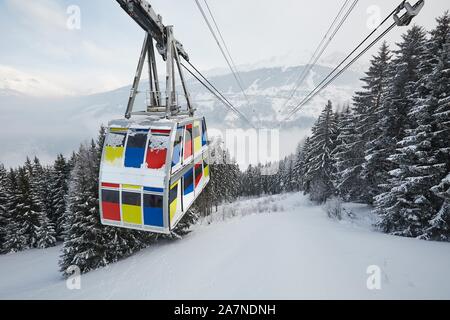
column 131, row 214
column 173, row 205
column 119, row 130
column 197, row 144
column 130, row 186
column 114, row 155
column 173, row 209
column 206, row 171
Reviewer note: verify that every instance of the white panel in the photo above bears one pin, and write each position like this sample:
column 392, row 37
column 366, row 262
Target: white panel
column 139, row 177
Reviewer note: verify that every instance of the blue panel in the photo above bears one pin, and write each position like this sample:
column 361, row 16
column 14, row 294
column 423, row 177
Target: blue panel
column 188, row 182
column 153, row 217
column 176, row 155
column 204, row 139
column 189, row 189
column 204, row 142
column 134, row 157
column 150, row 189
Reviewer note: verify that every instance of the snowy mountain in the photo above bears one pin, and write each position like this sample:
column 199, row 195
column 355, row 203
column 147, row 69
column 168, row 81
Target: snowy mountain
column 59, row 124
column 13, row 81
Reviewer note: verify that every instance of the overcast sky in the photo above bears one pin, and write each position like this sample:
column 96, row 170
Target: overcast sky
column 102, row 55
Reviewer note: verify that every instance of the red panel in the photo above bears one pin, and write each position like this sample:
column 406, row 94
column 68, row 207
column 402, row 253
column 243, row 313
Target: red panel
column 111, row 211
column 156, row 158
column 110, row 185
column 188, row 149
column 160, row 131
column 199, row 176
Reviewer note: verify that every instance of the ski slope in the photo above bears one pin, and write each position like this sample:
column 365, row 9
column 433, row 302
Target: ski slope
column 278, row 247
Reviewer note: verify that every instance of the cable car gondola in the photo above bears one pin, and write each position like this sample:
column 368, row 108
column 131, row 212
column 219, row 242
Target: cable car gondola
column 154, row 162
column 151, row 172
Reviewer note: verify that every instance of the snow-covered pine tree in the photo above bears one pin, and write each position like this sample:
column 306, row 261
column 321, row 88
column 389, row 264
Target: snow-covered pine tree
column 59, row 185
column 439, row 228
column 88, row 244
column 404, row 207
column 319, row 170
column 439, row 106
column 280, row 178
column 3, row 211
column 41, row 185
column 289, row 176
column 45, row 233
column 369, row 112
column 348, row 158
column 298, row 166
column 305, row 164
column 15, row 238
column 29, row 210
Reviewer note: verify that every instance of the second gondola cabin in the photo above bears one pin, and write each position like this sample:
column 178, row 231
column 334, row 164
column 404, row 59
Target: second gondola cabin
column 151, row 171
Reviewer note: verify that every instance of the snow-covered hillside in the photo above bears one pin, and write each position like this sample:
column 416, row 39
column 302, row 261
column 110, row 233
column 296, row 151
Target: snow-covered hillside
column 271, row 247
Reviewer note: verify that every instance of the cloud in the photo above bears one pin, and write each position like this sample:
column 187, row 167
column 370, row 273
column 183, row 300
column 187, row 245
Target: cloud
column 28, row 83
column 45, row 14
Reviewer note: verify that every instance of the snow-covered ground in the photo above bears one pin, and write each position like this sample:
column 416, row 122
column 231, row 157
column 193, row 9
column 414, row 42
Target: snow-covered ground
column 267, row 248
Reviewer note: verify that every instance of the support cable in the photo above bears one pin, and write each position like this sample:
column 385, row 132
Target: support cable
column 319, row 50
column 213, row 90
column 307, row 98
column 221, row 48
column 323, row 85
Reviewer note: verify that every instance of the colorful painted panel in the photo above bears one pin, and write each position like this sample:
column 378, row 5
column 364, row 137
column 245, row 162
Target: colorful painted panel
column 188, row 142
column 197, row 137
column 173, row 200
column 114, row 147
column 152, row 189
column 131, row 207
column 188, row 189
column 153, row 210
column 135, row 151
column 111, row 205
column 206, row 167
column 204, row 133
column 198, row 173
column 177, row 149
column 157, row 149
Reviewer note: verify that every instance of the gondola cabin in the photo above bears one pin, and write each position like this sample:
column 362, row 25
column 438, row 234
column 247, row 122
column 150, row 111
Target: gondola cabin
column 151, row 171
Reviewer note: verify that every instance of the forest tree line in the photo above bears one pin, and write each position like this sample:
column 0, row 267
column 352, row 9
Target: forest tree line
column 391, row 147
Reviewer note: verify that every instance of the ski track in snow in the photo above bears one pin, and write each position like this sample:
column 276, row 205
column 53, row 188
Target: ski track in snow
column 274, row 247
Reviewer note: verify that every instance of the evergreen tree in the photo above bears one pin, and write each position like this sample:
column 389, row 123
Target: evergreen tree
column 319, row 168
column 45, row 233
column 29, row 210
column 298, row 166
column 3, row 211
column 439, row 228
column 348, row 158
column 290, row 182
column 88, row 244
column 15, row 237
column 41, row 185
column 369, row 111
column 408, row 206
column 59, row 186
